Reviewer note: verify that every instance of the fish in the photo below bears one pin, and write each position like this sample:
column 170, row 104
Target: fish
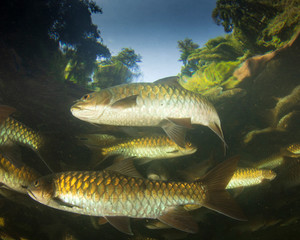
column 119, row 192
column 13, row 131
column 164, row 104
column 97, row 140
column 149, row 148
column 246, row 177
column 271, row 162
column 242, row 177
column 292, row 150
column 16, row 178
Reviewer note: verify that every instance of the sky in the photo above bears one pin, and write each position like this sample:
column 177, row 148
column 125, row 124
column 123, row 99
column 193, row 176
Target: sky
column 153, row 27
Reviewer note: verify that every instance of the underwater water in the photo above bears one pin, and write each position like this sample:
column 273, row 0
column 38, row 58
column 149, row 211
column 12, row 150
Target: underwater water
column 213, row 155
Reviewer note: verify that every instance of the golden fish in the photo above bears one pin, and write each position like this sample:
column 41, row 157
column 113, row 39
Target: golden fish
column 117, row 196
column 271, row 162
column 149, row 148
column 292, row 150
column 245, row 177
column 17, row 179
column 163, row 104
column 12, row 130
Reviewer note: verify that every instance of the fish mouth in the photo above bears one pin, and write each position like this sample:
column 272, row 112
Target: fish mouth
column 30, row 193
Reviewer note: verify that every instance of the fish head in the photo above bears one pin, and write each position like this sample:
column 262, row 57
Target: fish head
column 42, row 190
column 269, row 174
column 179, row 151
column 91, row 106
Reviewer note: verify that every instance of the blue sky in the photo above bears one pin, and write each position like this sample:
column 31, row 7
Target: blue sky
column 153, row 27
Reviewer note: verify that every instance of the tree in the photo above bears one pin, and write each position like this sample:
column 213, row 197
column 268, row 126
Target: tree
column 122, row 68
column 37, row 29
column 187, row 47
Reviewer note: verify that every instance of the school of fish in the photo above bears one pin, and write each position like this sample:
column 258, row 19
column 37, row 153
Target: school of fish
column 119, row 192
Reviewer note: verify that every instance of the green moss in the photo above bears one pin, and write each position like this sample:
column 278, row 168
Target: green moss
column 214, row 74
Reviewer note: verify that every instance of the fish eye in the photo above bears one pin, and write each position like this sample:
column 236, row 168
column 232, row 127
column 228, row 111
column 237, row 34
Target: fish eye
column 86, row 97
column 36, row 183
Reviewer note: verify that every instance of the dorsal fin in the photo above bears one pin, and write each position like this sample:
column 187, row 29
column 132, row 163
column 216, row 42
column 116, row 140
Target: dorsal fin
column 170, row 81
column 125, row 167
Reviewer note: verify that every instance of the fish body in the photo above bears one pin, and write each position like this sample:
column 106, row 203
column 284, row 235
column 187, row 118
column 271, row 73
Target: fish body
column 245, row 177
column 17, row 179
column 98, row 140
column 111, row 194
column 157, row 147
column 14, row 131
column 292, row 150
column 149, row 104
column 271, row 162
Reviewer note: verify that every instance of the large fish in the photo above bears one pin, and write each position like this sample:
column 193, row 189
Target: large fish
column 16, row 178
column 164, row 103
column 117, row 196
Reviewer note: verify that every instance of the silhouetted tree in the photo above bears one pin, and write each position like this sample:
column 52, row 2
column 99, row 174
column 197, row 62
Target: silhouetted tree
column 122, row 68
column 36, row 29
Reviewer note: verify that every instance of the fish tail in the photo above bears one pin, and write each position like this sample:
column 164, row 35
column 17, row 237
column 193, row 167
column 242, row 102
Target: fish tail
column 218, row 199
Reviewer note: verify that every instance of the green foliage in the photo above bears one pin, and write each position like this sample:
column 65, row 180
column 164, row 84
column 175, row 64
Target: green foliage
column 219, row 49
column 129, row 59
column 212, row 75
column 122, row 68
column 254, row 27
column 280, row 28
column 262, row 25
column 38, row 29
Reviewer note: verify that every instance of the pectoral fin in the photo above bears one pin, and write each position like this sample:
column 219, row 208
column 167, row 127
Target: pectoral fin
column 179, row 218
column 183, row 122
column 218, row 130
column 120, row 223
column 63, row 203
column 123, row 103
column 174, row 131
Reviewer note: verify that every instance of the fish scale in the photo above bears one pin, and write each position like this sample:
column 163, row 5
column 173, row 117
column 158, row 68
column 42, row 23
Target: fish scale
column 109, row 193
column 149, row 147
column 16, row 178
column 114, row 194
column 244, row 177
column 15, row 131
column 167, row 105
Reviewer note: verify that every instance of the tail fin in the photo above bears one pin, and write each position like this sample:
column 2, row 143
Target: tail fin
column 218, row 198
